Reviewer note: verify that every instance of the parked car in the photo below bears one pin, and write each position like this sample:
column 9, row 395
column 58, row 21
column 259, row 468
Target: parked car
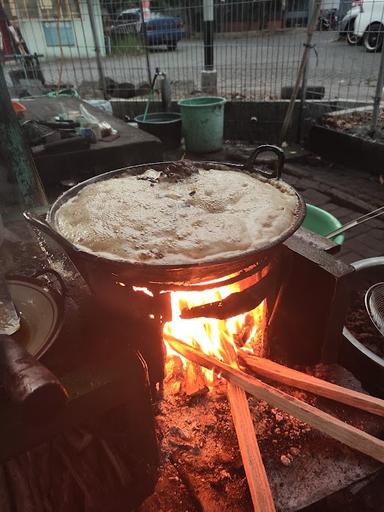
column 347, row 24
column 128, row 21
column 160, row 29
column 369, row 25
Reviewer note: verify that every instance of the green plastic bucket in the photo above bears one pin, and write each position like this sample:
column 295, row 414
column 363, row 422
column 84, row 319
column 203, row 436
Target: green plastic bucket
column 203, row 123
column 322, row 222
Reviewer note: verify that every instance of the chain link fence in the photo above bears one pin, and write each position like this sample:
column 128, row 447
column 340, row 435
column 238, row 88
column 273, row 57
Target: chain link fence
column 116, row 45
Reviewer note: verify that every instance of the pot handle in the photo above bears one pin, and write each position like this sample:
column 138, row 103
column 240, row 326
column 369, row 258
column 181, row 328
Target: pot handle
column 42, row 225
column 276, row 173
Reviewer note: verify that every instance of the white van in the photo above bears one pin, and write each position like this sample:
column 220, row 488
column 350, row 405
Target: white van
column 369, row 25
column 347, row 24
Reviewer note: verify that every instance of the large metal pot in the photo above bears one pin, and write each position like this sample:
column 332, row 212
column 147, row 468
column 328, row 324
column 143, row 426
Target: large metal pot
column 106, row 276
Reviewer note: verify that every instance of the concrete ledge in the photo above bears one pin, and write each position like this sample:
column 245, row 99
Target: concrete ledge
column 346, row 149
column 251, row 120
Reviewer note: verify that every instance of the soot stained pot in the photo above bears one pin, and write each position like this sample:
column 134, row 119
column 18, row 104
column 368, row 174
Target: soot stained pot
column 107, row 277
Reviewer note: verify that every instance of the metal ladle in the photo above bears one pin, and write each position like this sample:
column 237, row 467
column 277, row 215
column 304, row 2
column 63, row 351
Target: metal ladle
column 374, row 302
column 356, row 222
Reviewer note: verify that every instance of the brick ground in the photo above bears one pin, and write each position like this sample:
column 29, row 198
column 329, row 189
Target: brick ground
column 347, row 194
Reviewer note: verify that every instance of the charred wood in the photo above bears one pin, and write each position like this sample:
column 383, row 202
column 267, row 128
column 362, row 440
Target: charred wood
column 234, row 304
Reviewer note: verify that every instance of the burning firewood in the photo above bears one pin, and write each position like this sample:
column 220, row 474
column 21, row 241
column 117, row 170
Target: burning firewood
column 194, row 382
column 347, row 434
column 230, row 306
column 250, row 452
column 280, row 373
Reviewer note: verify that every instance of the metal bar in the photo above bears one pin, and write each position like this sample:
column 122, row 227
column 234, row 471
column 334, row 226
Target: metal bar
column 208, row 15
column 149, row 74
column 303, row 95
column 92, row 20
column 208, row 45
column 17, row 154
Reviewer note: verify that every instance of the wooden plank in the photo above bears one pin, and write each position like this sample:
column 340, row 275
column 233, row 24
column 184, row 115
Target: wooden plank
column 347, row 434
column 250, row 452
column 301, row 380
column 258, row 483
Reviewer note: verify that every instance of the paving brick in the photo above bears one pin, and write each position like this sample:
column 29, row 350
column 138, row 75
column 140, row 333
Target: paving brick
column 368, row 252
column 372, row 242
column 358, row 231
column 377, row 233
column 297, row 170
column 344, row 214
column 305, row 183
column 377, row 223
column 332, row 207
column 315, row 197
column 347, row 194
column 292, row 180
column 350, row 257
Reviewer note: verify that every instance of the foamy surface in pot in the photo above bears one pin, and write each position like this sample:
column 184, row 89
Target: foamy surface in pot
column 207, row 216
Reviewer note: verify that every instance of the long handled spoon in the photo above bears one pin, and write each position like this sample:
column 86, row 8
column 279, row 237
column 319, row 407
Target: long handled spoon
column 356, row 222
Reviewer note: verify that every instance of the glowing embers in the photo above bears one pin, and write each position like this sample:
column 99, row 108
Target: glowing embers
column 212, row 335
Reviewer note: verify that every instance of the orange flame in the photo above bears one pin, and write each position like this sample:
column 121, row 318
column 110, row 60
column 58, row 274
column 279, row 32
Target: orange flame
column 207, row 334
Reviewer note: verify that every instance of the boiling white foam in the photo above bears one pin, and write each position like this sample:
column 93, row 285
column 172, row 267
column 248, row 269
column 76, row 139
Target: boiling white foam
column 210, row 215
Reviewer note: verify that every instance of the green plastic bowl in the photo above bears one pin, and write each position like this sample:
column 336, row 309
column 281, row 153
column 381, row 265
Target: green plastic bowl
column 322, row 222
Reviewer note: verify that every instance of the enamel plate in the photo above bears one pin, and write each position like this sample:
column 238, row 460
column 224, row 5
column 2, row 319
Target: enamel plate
column 41, row 312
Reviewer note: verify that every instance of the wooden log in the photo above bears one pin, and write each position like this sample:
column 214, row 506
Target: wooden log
column 194, row 382
column 233, row 305
column 249, row 449
column 347, row 434
column 28, row 383
column 301, row 380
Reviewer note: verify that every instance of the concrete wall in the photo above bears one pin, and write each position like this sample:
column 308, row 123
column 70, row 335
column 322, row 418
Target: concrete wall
column 33, row 34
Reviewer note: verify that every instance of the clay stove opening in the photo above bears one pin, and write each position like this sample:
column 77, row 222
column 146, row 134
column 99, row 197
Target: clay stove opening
column 229, row 313
column 193, row 322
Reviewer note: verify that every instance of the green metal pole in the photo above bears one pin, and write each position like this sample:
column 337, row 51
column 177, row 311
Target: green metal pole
column 16, row 153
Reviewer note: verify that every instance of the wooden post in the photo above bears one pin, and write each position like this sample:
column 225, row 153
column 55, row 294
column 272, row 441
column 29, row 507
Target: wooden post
column 17, row 154
column 304, row 60
column 146, row 49
column 96, row 41
column 28, row 384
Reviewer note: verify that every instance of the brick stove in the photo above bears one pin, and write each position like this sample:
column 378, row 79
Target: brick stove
column 305, row 316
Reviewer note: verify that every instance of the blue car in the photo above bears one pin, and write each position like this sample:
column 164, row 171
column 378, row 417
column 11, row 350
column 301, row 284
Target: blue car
column 160, row 29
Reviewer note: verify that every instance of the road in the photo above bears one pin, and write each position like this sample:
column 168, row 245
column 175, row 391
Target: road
column 253, row 67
